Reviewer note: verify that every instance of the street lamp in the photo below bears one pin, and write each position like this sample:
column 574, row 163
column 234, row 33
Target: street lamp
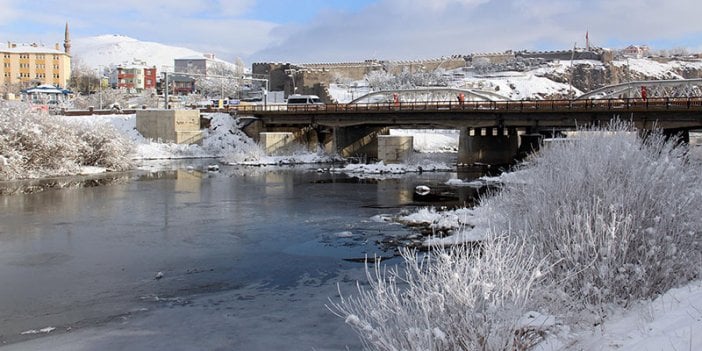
column 99, row 76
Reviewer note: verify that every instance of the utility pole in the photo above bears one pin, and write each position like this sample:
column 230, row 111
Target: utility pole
column 572, row 70
column 165, row 90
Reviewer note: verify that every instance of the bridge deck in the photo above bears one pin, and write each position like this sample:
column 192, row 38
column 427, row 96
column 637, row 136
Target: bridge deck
column 660, row 112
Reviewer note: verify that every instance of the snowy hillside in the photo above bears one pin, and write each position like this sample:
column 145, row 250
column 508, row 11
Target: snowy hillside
column 550, row 79
column 106, row 50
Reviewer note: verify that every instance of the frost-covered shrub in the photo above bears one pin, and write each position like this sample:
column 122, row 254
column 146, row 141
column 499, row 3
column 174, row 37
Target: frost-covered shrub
column 604, row 217
column 34, row 145
column 617, row 217
column 459, row 298
column 103, row 146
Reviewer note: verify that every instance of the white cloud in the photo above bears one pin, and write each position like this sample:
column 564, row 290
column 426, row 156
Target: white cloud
column 396, row 29
column 386, row 29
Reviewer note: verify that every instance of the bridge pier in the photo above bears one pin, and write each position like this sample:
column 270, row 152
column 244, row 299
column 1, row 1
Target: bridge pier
column 492, row 146
column 357, row 140
column 395, row 148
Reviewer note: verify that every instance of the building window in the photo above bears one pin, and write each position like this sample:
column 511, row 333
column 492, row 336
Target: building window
column 56, row 66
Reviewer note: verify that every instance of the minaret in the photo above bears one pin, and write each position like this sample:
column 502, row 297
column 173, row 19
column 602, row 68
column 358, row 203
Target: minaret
column 67, row 41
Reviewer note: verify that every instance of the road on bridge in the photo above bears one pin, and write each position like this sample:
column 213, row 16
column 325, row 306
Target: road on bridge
column 669, row 113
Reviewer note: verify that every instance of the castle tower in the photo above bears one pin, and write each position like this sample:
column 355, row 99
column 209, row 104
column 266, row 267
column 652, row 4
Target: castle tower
column 67, row 41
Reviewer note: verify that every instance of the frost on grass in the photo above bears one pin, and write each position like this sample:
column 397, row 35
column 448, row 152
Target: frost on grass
column 457, row 298
column 35, row 145
column 606, row 218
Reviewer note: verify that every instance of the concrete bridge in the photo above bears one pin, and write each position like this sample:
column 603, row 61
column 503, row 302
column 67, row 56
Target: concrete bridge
column 491, row 131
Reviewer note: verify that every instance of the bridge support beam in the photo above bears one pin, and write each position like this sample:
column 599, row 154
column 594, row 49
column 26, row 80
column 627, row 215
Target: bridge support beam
column 395, row 148
column 494, row 146
column 357, row 140
column 281, row 139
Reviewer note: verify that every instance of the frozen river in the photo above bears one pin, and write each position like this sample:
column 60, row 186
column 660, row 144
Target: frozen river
column 247, row 259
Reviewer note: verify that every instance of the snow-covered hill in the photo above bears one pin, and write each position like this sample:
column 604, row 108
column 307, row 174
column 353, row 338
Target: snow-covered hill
column 550, row 79
column 107, row 50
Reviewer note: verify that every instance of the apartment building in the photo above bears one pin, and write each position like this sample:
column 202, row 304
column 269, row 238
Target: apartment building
column 136, row 78
column 34, row 64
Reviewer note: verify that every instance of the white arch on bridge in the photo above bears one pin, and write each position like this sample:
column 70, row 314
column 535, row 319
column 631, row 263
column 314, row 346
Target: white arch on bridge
column 654, row 88
column 429, row 94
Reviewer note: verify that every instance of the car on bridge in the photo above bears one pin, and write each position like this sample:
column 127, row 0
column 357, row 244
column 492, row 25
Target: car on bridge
column 297, row 102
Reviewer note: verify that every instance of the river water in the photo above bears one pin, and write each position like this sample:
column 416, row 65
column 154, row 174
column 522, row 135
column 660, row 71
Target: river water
column 242, row 258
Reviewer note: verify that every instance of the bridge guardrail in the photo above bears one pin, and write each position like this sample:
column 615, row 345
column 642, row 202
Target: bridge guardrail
column 524, row 106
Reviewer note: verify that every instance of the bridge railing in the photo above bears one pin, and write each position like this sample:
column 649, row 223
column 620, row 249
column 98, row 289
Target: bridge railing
column 523, row 106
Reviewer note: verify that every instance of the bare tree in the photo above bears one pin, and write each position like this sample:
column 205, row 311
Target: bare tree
column 84, row 80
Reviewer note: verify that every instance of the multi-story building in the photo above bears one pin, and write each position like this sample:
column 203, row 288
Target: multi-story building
column 136, row 78
column 181, row 84
column 194, row 64
column 635, row 51
column 26, row 65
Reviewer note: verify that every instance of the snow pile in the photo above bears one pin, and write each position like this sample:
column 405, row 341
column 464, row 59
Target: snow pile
column 223, row 139
column 605, row 221
column 35, row 145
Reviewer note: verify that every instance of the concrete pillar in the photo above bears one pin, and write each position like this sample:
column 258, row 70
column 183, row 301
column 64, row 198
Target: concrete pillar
column 357, row 140
column 488, row 149
column 177, row 126
column 275, row 143
column 395, row 148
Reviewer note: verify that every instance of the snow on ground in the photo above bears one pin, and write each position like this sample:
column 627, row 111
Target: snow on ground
column 517, row 85
column 226, row 142
column 656, row 69
column 513, row 85
column 673, row 321
column 343, row 93
column 431, row 140
column 222, row 140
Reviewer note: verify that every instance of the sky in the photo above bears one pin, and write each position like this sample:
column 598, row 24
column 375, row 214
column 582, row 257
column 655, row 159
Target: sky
column 303, row 31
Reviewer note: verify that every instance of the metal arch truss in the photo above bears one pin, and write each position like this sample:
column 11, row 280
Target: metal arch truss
column 653, row 89
column 428, row 94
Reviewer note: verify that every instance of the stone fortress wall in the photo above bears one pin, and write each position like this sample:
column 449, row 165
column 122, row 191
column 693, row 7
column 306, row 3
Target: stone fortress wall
column 313, row 78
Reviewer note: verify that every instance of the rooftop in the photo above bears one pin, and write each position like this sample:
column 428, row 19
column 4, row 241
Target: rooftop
column 28, row 48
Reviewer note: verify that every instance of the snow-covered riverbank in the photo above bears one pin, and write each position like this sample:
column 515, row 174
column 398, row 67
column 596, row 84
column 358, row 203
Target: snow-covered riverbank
column 671, row 320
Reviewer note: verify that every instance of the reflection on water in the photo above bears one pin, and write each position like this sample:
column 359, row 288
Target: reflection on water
column 18, row 187
column 86, row 253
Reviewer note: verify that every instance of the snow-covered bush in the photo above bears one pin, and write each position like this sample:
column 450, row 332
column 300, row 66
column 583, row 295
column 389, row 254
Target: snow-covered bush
column 34, row 145
column 618, row 217
column 605, row 217
column 458, row 298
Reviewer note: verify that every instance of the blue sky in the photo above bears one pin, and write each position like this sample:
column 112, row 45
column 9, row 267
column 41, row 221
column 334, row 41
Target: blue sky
column 346, row 30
